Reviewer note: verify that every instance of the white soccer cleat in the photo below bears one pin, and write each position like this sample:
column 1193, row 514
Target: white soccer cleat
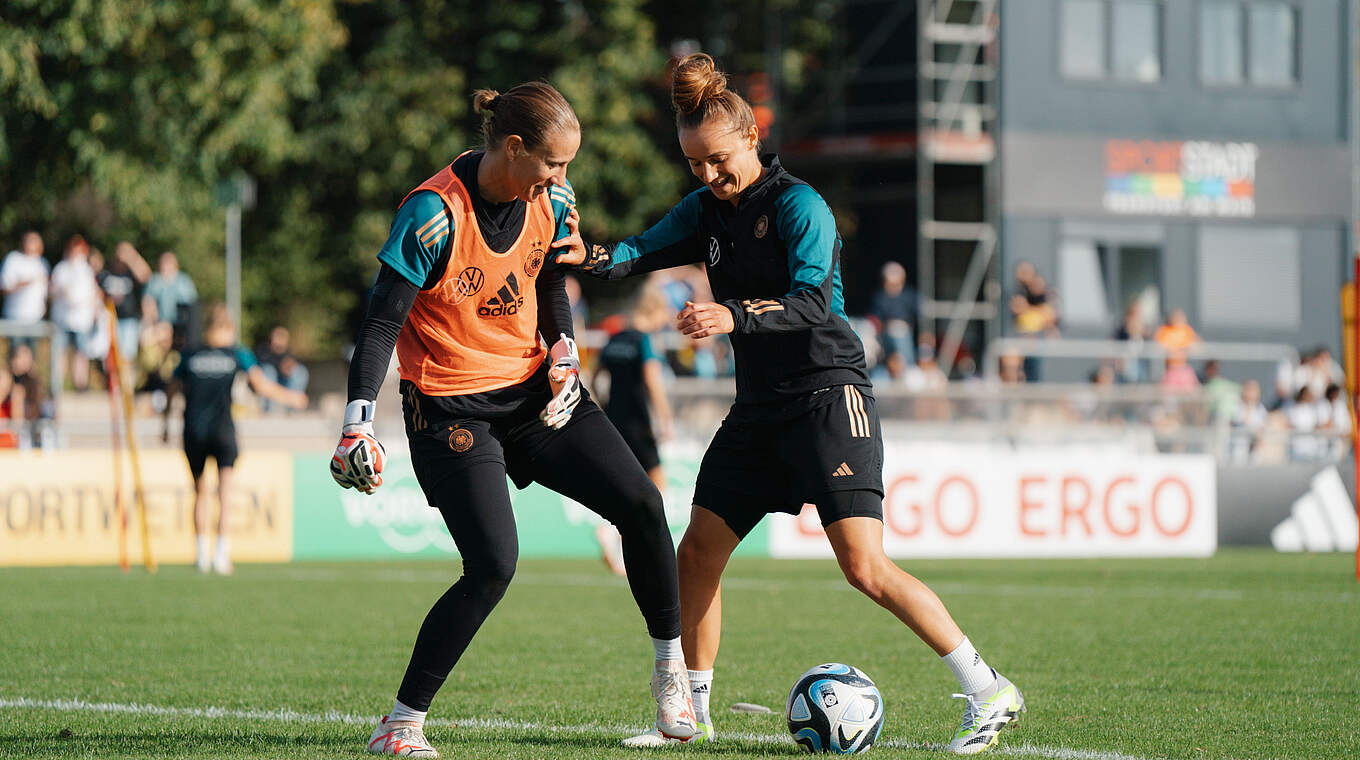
column 222, row 565
column 674, row 705
column 654, row 738
column 983, row 720
column 400, row 740
column 203, row 564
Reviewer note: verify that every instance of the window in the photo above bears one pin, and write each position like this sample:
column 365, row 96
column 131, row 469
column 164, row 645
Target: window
column 1252, row 43
column 1135, row 35
column 1111, row 39
column 1083, row 39
column 1220, row 43
column 1104, row 268
column 1249, row 277
column 1271, row 45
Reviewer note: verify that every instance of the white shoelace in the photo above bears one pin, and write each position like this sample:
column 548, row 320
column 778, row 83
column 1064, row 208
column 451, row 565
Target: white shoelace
column 971, row 713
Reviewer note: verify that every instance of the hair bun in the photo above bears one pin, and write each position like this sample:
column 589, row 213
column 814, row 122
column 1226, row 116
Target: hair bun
column 695, row 81
column 485, row 100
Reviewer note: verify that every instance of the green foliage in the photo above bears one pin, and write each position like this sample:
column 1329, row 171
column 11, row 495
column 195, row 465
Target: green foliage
column 121, row 116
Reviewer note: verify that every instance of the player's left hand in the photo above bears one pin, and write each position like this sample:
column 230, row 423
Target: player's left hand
column 700, row 320
column 564, row 377
column 571, row 249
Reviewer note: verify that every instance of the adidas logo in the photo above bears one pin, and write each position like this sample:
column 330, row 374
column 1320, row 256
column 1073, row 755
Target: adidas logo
column 701, row 689
column 842, row 471
column 506, row 302
column 1321, row 520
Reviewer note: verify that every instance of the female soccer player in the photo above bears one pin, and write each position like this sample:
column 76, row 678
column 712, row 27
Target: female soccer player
column 804, row 426
column 465, row 290
column 205, row 376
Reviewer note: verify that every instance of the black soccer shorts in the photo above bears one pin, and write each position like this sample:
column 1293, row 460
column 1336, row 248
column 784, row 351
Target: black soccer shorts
column 754, row 467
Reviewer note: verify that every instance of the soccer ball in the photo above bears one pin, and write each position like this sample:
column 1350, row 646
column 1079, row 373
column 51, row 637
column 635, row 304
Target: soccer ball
column 834, row 708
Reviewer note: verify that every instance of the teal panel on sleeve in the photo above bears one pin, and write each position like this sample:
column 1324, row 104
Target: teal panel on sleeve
column 420, row 235
column 245, row 358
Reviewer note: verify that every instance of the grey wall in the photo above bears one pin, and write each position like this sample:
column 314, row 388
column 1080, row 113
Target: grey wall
column 1036, row 98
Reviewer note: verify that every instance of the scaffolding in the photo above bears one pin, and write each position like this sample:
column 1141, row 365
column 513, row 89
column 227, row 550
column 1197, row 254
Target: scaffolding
column 957, row 88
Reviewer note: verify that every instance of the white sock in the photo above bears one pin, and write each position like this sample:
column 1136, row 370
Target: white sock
column 223, row 547
column 406, row 714
column 974, row 675
column 700, row 682
column 202, row 543
column 668, row 649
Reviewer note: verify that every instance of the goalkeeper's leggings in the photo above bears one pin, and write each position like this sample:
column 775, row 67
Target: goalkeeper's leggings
column 587, row 461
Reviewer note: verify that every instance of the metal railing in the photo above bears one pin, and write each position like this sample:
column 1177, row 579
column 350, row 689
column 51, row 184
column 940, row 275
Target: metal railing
column 1101, row 350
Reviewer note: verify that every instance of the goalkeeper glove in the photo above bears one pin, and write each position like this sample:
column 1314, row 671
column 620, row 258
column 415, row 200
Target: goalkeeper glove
column 359, row 458
column 564, row 377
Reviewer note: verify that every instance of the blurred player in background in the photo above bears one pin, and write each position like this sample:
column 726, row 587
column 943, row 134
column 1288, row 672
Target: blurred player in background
column 637, row 403
column 205, row 376
column 467, row 286
column 804, row 426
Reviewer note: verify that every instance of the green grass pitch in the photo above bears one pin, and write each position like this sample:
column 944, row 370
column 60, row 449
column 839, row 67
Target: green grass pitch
column 1249, row 654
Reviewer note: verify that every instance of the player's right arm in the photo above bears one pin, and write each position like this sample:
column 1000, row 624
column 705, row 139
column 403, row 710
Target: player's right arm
column 671, row 242
column 411, row 258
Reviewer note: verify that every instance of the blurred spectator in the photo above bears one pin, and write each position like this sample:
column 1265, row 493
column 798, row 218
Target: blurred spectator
column 1093, row 405
column 1012, row 368
column 1131, row 368
column 27, row 404
column 174, row 294
column 122, row 281
column 1334, row 416
column 1223, row 395
column 1289, row 377
column 1176, row 337
column 156, row 362
column 75, row 305
column 926, row 379
column 23, row 282
column 1034, row 307
column 1302, row 413
column 280, row 366
column 895, row 309
column 1178, row 377
column 1321, row 371
column 1248, row 422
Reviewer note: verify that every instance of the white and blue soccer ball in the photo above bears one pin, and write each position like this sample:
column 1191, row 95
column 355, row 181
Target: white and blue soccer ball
column 834, row 708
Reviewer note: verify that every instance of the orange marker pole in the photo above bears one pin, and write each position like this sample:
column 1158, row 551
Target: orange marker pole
column 120, row 506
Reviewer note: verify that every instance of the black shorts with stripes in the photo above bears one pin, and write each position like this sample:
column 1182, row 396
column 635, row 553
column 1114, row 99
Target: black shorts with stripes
column 758, row 465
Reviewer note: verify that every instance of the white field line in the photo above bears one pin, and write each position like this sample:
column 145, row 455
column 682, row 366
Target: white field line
column 953, row 589
column 292, row 716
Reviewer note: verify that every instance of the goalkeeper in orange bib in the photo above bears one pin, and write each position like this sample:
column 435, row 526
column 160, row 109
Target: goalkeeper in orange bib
column 471, row 296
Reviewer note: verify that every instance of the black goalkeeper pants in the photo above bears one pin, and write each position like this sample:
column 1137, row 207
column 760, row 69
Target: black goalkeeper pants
column 462, row 467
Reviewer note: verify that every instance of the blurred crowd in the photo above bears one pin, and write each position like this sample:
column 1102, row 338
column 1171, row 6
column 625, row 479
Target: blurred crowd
column 60, row 310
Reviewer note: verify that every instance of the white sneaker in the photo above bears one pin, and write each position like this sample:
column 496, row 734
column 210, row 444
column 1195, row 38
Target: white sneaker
column 203, row 564
column 674, row 705
column 401, row 740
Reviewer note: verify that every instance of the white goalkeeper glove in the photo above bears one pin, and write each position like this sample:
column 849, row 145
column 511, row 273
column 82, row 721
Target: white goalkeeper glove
column 358, row 460
column 564, row 377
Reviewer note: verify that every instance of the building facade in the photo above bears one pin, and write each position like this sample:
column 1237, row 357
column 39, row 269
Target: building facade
column 1191, row 154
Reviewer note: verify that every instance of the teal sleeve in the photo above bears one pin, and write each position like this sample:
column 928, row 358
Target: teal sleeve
column 808, row 229
column 648, row 352
column 245, row 358
column 419, row 238
column 563, row 201
column 671, row 242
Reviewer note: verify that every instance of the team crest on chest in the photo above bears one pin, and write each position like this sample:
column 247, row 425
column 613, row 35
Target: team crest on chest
column 468, row 283
column 534, row 260
column 762, row 226
column 714, row 251
column 460, row 439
